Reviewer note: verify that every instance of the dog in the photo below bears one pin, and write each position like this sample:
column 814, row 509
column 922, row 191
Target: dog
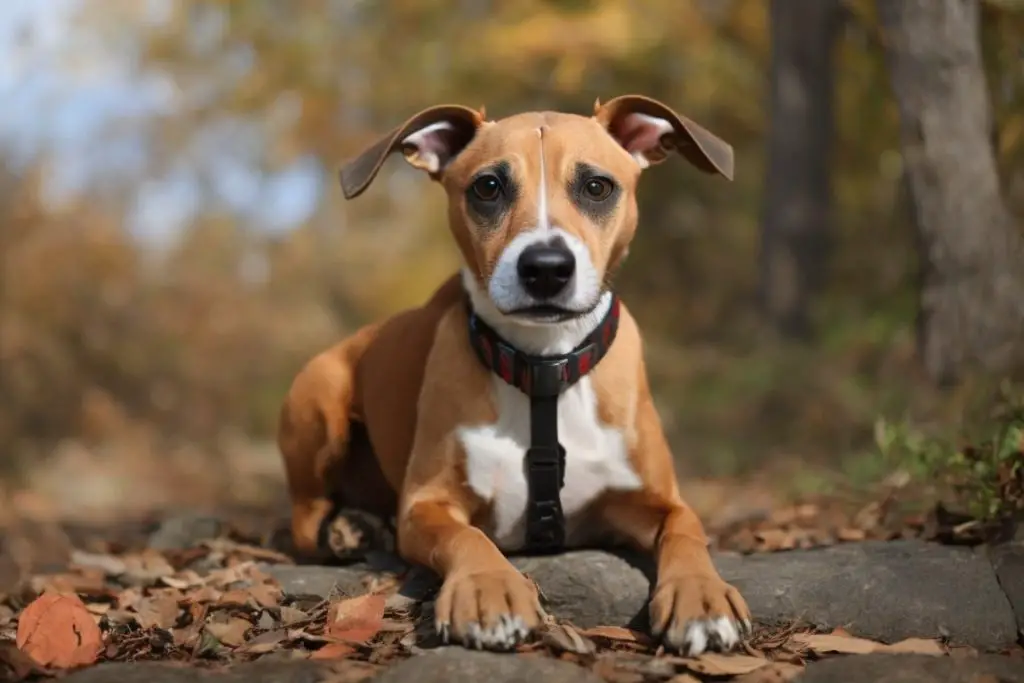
column 512, row 412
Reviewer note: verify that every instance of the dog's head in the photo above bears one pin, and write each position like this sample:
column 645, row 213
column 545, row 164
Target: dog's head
column 542, row 204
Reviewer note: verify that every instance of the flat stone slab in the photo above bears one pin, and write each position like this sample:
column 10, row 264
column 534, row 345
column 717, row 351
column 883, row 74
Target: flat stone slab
column 1008, row 561
column 880, row 590
column 888, row 668
column 450, row 664
column 151, row 672
column 886, row 591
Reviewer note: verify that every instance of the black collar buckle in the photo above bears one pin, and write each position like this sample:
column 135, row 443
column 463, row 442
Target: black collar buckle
column 547, row 376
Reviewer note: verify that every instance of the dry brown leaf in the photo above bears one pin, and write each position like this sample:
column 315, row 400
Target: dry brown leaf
column 238, row 596
column 843, row 643
column 57, row 630
column 230, row 632
column 715, row 664
column 619, row 633
column 915, row 646
column 265, row 594
column 851, row 535
column 290, row 615
column 264, row 642
column 159, row 610
column 565, row 638
column 355, row 620
column 15, row 665
column 824, row 643
column 224, row 545
column 183, row 580
column 333, row 651
column 773, row 672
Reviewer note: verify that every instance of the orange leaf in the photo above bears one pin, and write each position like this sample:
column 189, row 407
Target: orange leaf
column 627, row 635
column 916, row 646
column 333, row 651
column 57, row 630
column 823, row 643
column 716, row 664
column 355, row 620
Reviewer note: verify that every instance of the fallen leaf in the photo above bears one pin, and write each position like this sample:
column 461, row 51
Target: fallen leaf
column 773, row 672
column 851, row 535
column 333, row 651
column 230, row 632
column 264, row 642
column 224, row 545
column 183, row 580
column 57, row 630
column 108, row 564
column 290, row 615
column 715, row 664
column 844, row 643
column 824, row 643
column 160, row 611
column 915, row 646
column 15, row 665
column 566, row 638
column 89, row 582
column 619, row 633
column 355, row 620
column 238, row 596
column 265, row 594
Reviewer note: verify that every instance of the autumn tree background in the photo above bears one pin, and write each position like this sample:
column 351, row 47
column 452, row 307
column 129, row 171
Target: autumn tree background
column 865, row 265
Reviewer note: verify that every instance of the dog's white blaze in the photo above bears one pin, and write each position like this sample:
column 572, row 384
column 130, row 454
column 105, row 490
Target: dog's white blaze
column 543, row 221
column 597, row 457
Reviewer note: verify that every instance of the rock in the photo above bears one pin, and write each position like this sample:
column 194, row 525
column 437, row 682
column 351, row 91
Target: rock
column 1008, row 561
column 886, row 668
column 295, row 671
column 590, row 587
column 881, row 590
column 317, row 580
column 184, row 531
column 459, row 664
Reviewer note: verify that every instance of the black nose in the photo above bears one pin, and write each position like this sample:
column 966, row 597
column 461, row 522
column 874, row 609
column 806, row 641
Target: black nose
column 545, row 270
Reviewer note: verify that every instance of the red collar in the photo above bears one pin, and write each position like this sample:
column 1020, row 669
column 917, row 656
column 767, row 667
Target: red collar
column 542, row 375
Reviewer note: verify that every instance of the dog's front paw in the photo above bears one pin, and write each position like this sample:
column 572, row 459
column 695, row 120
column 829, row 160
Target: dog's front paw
column 696, row 613
column 491, row 610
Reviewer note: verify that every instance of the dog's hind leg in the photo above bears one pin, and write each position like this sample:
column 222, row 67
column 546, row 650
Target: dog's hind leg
column 314, row 432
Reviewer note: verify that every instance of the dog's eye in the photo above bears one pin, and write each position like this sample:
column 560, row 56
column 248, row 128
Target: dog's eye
column 598, row 189
column 487, row 188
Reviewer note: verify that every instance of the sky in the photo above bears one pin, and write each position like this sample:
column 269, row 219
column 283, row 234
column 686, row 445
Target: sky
column 78, row 99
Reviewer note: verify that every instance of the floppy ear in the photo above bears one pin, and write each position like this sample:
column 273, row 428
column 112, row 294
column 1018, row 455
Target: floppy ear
column 429, row 140
column 649, row 130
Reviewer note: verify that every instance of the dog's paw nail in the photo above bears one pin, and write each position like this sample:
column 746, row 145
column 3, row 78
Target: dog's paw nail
column 444, row 630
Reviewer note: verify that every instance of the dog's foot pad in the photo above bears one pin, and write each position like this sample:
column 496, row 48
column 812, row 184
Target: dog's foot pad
column 350, row 534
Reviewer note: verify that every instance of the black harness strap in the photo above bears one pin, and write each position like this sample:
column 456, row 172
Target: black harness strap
column 543, row 379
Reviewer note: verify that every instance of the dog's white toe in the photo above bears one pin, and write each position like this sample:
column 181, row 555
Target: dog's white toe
column 702, row 635
column 508, row 632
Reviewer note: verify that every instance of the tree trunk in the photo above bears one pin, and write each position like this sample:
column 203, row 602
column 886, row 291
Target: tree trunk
column 795, row 228
column 972, row 298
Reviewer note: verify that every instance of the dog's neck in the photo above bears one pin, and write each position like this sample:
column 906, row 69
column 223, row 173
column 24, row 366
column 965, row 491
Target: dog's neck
column 542, row 339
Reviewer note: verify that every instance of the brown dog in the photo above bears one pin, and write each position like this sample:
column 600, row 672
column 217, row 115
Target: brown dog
column 512, row 410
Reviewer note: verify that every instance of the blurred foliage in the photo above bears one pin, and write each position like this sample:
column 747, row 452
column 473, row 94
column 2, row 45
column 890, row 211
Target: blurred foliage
column 983, row 466
column 186, row 343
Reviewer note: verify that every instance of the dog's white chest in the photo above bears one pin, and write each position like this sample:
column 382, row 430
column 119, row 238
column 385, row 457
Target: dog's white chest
column 596, row 460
